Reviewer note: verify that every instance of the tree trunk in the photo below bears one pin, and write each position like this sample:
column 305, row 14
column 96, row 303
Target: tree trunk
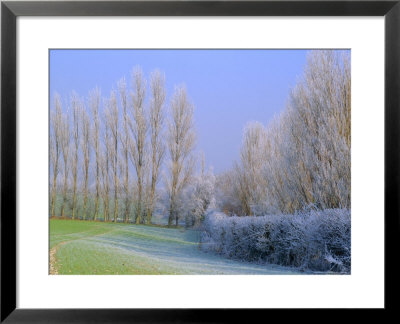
column 85, row 197
column 97, row 199
column 115, row 207
column 74, row 202
column 64, row 195
column 171, row 211
column 151, row 206
column 139, row 204
column 53, row 199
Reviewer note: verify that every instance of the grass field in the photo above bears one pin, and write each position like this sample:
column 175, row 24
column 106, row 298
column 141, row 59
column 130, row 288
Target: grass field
column 79, row 247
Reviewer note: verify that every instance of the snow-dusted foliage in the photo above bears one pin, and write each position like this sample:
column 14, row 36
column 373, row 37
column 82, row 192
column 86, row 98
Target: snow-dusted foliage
column 303, row 156
column 200, row 198
column 311, row 240
column 181, row 138
column 227, row 195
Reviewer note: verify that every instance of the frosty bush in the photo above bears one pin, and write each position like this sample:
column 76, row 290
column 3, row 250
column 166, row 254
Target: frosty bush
column 200, row 197
column 314, row 239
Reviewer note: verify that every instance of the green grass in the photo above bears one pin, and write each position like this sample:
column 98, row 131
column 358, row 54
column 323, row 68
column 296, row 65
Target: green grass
column 85, row 247
column 90, row 258
column 79, row 253
column 64, row 230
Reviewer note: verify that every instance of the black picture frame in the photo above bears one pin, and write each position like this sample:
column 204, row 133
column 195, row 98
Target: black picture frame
column 11, row 10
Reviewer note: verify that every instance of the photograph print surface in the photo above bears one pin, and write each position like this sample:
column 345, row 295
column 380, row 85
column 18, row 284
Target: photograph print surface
column 199, row 161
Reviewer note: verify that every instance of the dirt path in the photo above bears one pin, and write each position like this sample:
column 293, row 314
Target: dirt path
column 53, row 259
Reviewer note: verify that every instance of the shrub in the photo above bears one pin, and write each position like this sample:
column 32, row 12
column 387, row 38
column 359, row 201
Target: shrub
column 317, row 240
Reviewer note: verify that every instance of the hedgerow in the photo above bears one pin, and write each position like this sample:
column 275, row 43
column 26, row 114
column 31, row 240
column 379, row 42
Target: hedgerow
column 316, row 240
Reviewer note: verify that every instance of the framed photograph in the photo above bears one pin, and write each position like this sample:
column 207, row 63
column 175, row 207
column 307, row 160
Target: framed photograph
column 188, row 161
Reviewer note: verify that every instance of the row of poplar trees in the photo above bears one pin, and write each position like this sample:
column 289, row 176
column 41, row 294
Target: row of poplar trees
column 107, row 155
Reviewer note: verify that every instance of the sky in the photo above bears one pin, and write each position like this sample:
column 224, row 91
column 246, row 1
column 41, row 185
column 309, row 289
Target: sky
column 228, row 88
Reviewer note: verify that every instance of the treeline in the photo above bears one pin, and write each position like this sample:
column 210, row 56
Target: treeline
column 107, row 155
column 127, row 155
column 302, row 158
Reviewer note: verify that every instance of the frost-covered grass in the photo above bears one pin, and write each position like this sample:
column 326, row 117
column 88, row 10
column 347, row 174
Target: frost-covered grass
column 310, row 240
column 106, row 248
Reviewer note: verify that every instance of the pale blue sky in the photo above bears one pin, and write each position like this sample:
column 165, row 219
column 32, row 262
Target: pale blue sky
column 227, row 87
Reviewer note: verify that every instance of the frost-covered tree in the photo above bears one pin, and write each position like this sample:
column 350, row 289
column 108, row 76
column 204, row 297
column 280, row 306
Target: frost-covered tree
column 252, row 185
column 105, row 168
column 125, row 140
column 246, row 184
column 319, row 113
column 112, row 120
column 94, row 103
column 227, row 193
column 181, row 141
column 302, row 157
column 76, row 106
column 56, row 121
column 201, row 196
column 138, row 145
column 65, row 141
column 308, row 158
column 157, row 146
column 86, row 154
